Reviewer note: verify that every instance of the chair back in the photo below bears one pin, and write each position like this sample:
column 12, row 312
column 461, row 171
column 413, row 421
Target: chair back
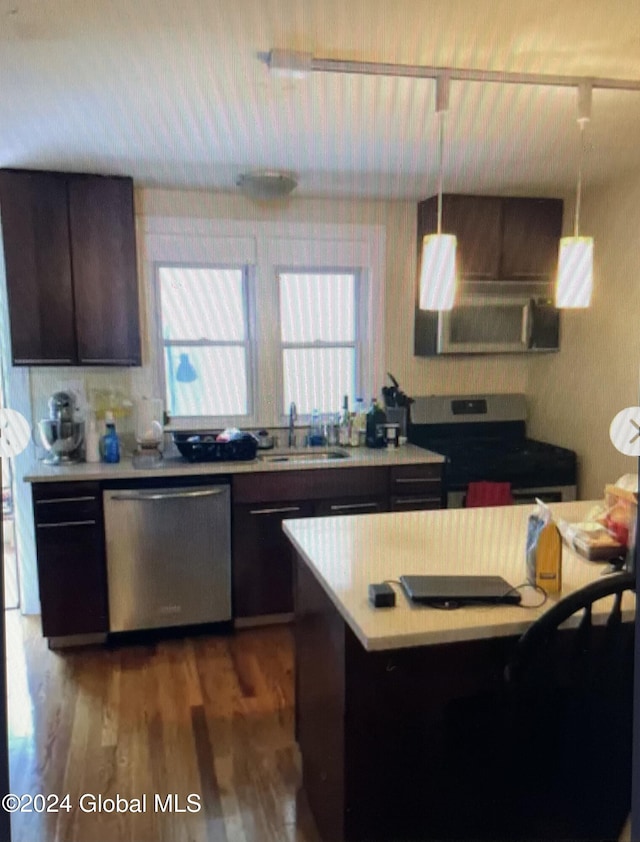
column 570, row 689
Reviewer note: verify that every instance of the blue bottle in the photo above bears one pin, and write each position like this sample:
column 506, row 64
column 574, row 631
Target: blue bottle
column 110, row 442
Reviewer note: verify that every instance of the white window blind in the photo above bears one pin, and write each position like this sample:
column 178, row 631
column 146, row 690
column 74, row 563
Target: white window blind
column 205, row 340
column 318, row 329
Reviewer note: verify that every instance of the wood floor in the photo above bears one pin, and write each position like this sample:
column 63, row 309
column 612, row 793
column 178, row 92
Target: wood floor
column 212, row 716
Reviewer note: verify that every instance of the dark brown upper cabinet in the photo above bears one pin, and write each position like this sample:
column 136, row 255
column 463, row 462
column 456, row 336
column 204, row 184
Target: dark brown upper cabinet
column 70, row 257
column 531, row 234
column 499, row 239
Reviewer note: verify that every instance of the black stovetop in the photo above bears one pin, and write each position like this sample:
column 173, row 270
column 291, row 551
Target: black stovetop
column 496, row 453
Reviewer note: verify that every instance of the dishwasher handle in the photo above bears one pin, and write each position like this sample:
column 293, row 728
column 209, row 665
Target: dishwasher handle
column 167, row 495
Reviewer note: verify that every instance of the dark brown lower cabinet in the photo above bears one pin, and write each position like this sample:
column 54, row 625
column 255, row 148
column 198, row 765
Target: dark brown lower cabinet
column 372, row 726
column 262, row 567
column 71, row 558
column 262, row 558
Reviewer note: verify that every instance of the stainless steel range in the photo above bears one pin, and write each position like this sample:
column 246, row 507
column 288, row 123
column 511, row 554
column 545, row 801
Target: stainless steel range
column 484, row 439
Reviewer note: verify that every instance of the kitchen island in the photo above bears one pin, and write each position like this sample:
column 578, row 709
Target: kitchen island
column 375, row 687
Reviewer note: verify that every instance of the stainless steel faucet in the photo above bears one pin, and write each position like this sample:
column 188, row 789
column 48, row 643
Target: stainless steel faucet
column 293, row 417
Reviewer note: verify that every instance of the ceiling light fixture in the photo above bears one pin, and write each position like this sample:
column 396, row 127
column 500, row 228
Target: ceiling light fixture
column 297, row 63
column 438, row 267
column 575, row 258
column 266, row 185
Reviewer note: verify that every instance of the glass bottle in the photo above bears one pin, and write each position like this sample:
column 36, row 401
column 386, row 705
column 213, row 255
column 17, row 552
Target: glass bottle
column 344, row 429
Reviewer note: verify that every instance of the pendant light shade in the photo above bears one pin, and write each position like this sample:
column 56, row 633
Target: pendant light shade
column 438, row 272
column 438, row 267
column 575, row 258
column 575, row 272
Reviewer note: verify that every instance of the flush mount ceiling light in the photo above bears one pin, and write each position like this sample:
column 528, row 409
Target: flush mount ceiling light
column 575, row 258
column 438, row 267
column 266, row 185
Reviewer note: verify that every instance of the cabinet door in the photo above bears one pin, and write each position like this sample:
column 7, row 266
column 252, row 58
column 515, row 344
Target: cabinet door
column 103, row 255
column 71, row 558
column 262, row 558
column 477, row 223
column 35, row 232
column 72, row 577
column 531, row 232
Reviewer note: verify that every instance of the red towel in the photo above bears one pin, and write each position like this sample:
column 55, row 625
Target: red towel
column 488, row 494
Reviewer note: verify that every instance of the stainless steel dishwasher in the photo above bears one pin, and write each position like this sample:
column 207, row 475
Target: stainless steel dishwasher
column 168, row 556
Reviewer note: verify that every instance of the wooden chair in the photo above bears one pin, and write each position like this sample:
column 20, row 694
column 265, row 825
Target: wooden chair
column 548, row 757
column 570, row 697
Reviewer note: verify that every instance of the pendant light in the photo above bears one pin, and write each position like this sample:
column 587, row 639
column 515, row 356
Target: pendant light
column 438, row 269
column 575, row 258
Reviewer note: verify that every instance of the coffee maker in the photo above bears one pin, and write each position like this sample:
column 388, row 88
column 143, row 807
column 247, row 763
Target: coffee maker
column 61, row 434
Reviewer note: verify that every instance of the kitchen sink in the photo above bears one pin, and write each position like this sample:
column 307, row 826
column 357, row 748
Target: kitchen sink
column 305, row 456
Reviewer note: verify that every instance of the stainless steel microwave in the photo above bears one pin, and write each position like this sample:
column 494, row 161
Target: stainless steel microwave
column 489, row 324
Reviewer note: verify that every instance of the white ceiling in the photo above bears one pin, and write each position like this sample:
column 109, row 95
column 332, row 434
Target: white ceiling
column 177, row 94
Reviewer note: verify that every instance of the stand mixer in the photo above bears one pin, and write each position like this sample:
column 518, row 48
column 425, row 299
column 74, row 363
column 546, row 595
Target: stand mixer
column 60, row 434
column 149, row 433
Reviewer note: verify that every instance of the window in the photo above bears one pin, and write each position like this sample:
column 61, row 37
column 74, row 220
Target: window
column 245, row 317
column 205, row 340
column 318, row 329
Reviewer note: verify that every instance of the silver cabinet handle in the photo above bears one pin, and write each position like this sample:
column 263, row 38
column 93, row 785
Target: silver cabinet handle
column 64, row 500
column 38, row 361
column 345, row 507
column 277, row 511
column 402, row 480
column 407, row 501
column 118, row 360
column 66, row 523
column 171, row 495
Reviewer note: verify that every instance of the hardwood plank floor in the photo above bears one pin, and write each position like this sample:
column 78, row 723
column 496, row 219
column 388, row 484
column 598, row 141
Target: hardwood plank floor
column 209, row 716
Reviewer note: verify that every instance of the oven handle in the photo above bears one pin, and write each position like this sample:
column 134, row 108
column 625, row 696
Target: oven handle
column 527, row 323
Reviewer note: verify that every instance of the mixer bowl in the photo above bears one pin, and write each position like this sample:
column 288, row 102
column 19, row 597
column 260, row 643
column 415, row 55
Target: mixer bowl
column 61, row 439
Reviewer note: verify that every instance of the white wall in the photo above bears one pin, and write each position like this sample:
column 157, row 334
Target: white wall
column 575, row 394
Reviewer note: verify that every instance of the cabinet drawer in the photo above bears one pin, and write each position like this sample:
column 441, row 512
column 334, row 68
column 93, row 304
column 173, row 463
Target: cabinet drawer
column 315, row 484
column 352, row 506
column 422, row 480
column 67, row 503
column 410, row 504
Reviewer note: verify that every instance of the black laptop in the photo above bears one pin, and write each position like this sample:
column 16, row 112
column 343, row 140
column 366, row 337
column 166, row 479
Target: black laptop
column 459, row 590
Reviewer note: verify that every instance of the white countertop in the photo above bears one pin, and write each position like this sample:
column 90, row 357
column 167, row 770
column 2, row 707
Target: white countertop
column 408, row 454
column 346, row 554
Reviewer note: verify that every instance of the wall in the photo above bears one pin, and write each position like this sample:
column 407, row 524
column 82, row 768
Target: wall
column 574, row 395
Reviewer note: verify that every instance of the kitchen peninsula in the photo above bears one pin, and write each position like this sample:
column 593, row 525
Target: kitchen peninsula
column 373, row 686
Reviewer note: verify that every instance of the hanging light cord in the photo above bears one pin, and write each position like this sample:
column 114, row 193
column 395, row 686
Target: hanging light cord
column 576, row 221
column 440, row 116
column 585, row 90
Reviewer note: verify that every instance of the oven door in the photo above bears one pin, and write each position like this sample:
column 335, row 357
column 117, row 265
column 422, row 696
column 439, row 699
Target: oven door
column 521, row 496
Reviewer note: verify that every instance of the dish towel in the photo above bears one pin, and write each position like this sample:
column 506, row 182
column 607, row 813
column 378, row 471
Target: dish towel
column 488, row 494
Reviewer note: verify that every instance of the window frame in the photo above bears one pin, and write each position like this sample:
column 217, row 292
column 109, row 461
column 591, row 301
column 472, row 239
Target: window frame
column 263, row 247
